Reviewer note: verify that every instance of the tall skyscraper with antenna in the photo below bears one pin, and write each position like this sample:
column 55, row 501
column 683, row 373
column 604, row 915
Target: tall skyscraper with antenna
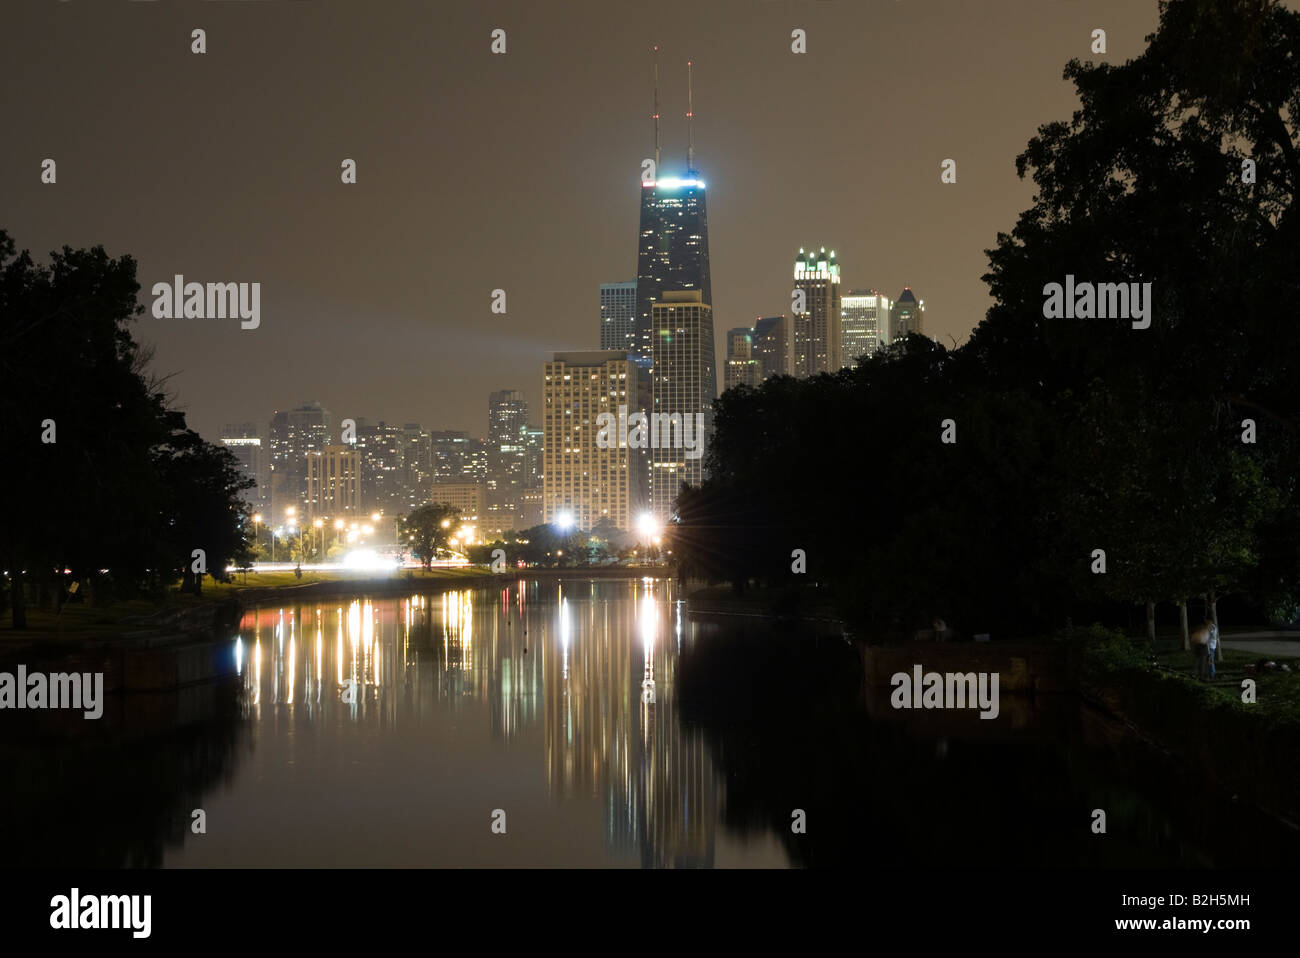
column 674, row 321
column 673, row 241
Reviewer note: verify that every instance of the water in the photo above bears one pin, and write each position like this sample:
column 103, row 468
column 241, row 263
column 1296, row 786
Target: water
column 598, row 725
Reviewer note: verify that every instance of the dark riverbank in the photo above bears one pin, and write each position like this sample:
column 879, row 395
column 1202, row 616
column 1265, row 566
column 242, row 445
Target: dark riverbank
column 185, row 644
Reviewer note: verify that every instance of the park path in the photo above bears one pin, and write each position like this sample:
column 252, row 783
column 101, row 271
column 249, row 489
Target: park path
column 1280, row 644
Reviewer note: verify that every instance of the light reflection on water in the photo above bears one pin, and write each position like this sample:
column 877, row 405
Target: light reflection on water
column 555, row 703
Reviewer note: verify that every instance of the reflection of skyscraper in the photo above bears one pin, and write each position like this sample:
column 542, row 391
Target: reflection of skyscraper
column 609, row 734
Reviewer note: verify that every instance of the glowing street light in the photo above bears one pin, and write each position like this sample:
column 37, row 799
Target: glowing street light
column 257, row 521
column 564, row 520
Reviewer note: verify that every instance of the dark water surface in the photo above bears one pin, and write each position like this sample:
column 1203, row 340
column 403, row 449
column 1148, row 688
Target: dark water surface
column 611, row 730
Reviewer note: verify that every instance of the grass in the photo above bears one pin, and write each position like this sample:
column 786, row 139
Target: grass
column 81, row 621
column 1277, row 692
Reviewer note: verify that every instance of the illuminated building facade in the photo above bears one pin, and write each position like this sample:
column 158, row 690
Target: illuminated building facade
column 580, row 480
column 817, row 336
column 864, row 324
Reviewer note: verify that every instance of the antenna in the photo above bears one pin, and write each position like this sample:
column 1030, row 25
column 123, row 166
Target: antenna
column 690, row 131
column 656, row 113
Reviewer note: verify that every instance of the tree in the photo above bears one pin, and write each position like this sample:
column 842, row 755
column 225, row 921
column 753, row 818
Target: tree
column 79, row 413
column 429, row 529
column 204, row 509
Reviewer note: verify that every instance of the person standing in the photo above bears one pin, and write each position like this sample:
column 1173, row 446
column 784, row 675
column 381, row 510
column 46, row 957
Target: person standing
column 1212, row 646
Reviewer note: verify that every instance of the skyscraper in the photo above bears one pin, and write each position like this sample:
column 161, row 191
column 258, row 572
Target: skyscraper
column 245, row 442
column 294, row 433
column 583, row 479
column 908, row 315
column 382, row 469
column 864, row 324
column 683, row 406
column 618, row 316
column 743, row 368
column 507, row 422
column 673, row 242
column 817, row 340
column 333, row 482
column 773, row 345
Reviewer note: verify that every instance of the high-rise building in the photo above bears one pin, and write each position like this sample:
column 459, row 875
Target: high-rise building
column 864, row 324
column 383, row 471
column 673, row 240
column 618, row 316
column 817, row 340
column 417, row 465
column 673, row 253
column 773, row 346
column 584, row 479
column 294, row 433
column 908, row 315
column 449, row 453
column 532, row 457
column 507, row 423
column 682, row 362
column 530, row 500
column 743, row 368
column 333, row 482
column 246, row 443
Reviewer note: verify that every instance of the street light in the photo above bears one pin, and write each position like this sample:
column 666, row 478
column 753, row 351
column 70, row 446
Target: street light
column 320, row 536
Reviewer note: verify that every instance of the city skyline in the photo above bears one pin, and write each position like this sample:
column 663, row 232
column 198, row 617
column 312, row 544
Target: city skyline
column 400, row 328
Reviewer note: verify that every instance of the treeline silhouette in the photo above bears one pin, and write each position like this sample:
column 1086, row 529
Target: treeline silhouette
column 1171, row 449
column 102, row 478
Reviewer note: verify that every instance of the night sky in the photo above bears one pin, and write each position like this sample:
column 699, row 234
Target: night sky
column 518, row 171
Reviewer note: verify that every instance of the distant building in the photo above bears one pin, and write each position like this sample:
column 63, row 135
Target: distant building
column 908, row 315
column 507, row 425
column 449, row 453
column 383, row 469
column 581, row 479
column 333, row 482
column 773, row 346
column 742, row 366
column 295, row 432
column 467, row 498
column 245, row 442
column 864, row 324
column 618, row 315
column 817, row 340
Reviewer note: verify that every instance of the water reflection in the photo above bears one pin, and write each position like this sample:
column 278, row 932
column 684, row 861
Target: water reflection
column 611, row 727
column 577, row 678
